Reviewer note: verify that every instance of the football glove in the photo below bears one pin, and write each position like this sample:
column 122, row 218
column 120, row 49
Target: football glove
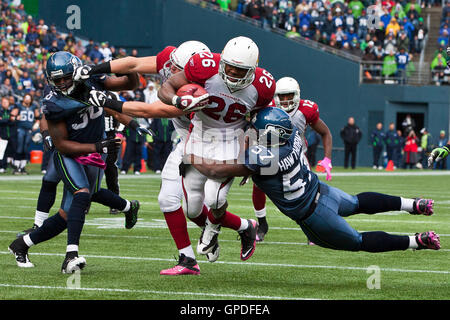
column 140, row 129
column 97, row 98
column 438, row 154
column 326, row 164
column 190, row 103
column 47, row 141
column 81, row 73
column 109, row 146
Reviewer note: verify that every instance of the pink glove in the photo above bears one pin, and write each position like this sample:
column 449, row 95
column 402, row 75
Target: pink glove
column 326, row 164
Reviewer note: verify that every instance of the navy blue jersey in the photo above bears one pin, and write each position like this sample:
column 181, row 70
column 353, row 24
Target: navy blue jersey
column 283, row 175
column 25, row 118
column 85, row 123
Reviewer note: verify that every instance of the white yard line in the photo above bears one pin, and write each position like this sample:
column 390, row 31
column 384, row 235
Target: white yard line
column 133, row 291
column 275, row 265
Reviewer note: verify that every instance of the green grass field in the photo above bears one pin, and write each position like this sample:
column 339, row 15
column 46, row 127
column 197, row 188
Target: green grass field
column 125, row 264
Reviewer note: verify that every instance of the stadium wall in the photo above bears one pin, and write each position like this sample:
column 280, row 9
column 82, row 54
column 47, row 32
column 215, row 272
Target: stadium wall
column 331, row 81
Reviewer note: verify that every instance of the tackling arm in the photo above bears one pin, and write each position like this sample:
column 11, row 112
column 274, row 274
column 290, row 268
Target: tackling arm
column 219, row 169
column 127, row 82
column 168, row 90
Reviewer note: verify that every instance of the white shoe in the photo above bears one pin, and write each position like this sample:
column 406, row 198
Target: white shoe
column 158, row 171
column 208, row 238
column 214, row 254
column 380, row 168
column 374, row 167
column 44, row 171
column 137, row 173
column 123, row 172
column 2, row 170
column 72, row 265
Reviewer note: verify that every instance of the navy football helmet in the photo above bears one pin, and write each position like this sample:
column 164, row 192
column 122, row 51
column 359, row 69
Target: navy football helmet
column 273, row 125
column 59, row 71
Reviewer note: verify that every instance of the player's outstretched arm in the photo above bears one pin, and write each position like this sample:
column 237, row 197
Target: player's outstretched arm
column 125, row 65
column 138, row 109
column 216, row 169
column 129, row 122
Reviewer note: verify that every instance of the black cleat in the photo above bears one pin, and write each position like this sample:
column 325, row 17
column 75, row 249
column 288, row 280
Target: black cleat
column 20, row 250
column 132, row 215
column 72, row 263
column 27, row 231
column 248, row 240
column 263, row 228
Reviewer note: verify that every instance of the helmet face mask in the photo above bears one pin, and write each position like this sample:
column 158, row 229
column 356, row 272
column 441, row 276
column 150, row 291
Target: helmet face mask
column 181, row 55
column 287, row 94
column 59, row 71
column 273, row 127
column 239, row 53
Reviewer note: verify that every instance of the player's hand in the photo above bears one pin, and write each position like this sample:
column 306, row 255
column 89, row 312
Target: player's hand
column 97, row 98
column 81, row 73
column 143, row 131
column 326, row 164
column 190, row 103
column 109, row 146
column 47, row 141
column 437, row 155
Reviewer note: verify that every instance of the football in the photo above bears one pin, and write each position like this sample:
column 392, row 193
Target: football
column 191, row 89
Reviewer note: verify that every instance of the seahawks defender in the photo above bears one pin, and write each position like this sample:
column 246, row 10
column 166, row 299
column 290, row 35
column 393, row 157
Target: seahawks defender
column 280, row 169
column 78, row 133
column 438, row 154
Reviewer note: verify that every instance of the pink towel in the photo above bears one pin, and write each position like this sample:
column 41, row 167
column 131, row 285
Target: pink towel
column 93, row 159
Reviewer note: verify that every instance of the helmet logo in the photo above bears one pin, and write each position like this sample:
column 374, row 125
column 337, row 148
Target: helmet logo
column 56, row 73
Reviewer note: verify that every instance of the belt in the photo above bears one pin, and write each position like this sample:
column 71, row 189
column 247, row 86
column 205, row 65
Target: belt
column 313, row 205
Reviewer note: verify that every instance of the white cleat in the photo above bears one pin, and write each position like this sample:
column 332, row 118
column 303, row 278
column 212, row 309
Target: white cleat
column 70, row 265
column 208, row 238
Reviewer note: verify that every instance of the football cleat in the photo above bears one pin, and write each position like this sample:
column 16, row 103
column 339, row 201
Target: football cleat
column 208, row 238
column 214, row 254
column 263, row 228
column 423, row 206
column 428, row 240
column 20, row 251
column 132, row 215
column 248, row 240
column 27, row 231
column 185, row 266
column 72, row 264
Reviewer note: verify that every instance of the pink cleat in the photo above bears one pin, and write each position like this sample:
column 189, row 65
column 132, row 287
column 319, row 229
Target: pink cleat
column 423, row 206
column 428, row 240
column 185, row 266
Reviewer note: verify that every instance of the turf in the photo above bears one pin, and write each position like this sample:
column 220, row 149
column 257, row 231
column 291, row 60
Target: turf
column 125, row 264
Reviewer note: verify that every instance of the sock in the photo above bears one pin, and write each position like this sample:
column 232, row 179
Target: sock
column 17, row 164
column 75, row 217
column 23, row 164
column 50, row 228
column 176, row 221
column 259, row 202
column 413, row 242
column 373, row 202
column 378, row 241
column 188, row 252
column 47, row 196
column 40, row 217
column 407, row 204
column 228, row 220
column 72, row 248
column 201, row 218
column 110, row 199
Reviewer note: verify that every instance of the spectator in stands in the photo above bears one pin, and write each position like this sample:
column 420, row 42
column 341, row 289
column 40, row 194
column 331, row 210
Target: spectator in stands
column 389, row 65
column 305, row 33
column 390, row 43
column 402, row 59
column 293, row 34
column 357, row 8
column 439, row 73
column 351, row 135
column 5, row 131
column 95, row 55
column 362, row 25
column 133, row 152
column 403, row 42
column 377, row 139
column 393, row 27
column 408, row 124
column 443, row 39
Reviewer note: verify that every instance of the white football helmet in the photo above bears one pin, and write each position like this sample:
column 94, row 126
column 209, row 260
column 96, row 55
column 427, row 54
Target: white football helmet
column 287, row 85
column 181, row 55
column 243, row 53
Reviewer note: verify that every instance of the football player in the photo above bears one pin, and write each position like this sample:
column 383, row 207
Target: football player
column 279, row 168
column 27, row 119
column 168, row 62
column 302, row 112
column 78, row 134
column 236, row 86
column 438, row 154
